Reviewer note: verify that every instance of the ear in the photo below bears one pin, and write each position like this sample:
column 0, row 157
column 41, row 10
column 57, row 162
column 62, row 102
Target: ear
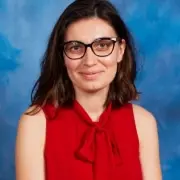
column 122, row 46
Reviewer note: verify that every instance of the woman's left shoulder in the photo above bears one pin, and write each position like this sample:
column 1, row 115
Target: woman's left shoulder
column 147, row 131
column 144, row 120
column 141, row 113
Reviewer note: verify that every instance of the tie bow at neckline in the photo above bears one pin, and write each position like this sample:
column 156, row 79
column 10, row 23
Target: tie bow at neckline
column 89, row 149
column 98, row 146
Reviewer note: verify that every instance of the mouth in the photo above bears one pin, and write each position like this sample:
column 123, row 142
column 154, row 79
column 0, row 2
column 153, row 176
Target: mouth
column 90, row 75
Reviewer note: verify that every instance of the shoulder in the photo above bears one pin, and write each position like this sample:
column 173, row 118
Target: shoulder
column 146, row 123
column 142, row 115
column 31, row 128
column 31, row 120
column 149, row 142
column 30, row 141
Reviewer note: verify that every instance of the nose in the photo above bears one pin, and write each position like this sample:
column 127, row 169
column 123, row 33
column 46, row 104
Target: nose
column 90, row 58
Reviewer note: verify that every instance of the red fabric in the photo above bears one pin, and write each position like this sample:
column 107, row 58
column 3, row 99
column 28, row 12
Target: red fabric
column 78, row 149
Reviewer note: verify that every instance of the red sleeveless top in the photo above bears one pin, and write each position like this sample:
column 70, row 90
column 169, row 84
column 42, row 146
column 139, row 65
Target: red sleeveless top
column 77, row 148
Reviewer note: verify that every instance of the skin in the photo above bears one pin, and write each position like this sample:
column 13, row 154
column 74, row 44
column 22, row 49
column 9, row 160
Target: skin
column 90, row 62
column 88, row 89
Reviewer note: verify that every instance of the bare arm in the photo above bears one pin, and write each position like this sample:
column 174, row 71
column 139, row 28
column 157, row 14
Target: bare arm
column 149, row 145
column 29, row 160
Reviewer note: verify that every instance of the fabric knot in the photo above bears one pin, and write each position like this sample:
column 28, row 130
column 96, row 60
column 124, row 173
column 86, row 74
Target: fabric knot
column 90, row 148
column 97, row 145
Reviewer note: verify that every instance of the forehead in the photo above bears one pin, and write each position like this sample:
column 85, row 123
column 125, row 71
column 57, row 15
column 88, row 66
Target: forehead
column 86, row 30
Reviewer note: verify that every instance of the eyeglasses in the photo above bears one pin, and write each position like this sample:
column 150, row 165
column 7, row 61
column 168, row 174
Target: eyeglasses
column 100, row 47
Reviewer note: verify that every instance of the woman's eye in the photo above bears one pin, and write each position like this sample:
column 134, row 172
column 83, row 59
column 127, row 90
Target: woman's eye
column 75, row 48
column 102, row 45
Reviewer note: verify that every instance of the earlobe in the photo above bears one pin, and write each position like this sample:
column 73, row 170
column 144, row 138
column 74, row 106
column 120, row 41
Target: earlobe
column 119, row 60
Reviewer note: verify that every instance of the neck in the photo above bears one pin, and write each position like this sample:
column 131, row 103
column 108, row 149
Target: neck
column 92, row 102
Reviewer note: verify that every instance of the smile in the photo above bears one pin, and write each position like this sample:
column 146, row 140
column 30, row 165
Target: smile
column 90, row 75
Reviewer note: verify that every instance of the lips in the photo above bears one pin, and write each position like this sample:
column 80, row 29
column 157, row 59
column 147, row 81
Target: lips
column 90, row 75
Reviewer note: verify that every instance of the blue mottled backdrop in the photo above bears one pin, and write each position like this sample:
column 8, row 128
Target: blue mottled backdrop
column 24, row 29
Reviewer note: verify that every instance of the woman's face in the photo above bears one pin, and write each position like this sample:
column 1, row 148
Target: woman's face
column 91, row 73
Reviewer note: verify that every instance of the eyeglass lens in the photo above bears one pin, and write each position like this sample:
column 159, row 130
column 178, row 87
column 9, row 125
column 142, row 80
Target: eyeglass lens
column 76, row 49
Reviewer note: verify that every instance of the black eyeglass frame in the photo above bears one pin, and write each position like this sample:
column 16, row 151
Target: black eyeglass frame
column 113, row 39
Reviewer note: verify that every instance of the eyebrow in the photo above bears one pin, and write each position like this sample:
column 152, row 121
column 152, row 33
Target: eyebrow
column 96, row 39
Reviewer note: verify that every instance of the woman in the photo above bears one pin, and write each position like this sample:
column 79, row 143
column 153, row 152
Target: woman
column 81, row 124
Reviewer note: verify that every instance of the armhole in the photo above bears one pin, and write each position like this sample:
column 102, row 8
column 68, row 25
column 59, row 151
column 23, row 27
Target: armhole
column 134, row 124
column 49, row 113
column 45, row 134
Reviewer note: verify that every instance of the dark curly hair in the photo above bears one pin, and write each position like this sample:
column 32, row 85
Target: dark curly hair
column 54, row 85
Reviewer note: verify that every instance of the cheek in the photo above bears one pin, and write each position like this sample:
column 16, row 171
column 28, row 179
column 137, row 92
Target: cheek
column 71, row 65
column 111, row 62
column 111, row 67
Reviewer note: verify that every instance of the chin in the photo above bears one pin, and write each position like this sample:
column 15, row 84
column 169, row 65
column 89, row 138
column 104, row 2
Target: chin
column 93, row 88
